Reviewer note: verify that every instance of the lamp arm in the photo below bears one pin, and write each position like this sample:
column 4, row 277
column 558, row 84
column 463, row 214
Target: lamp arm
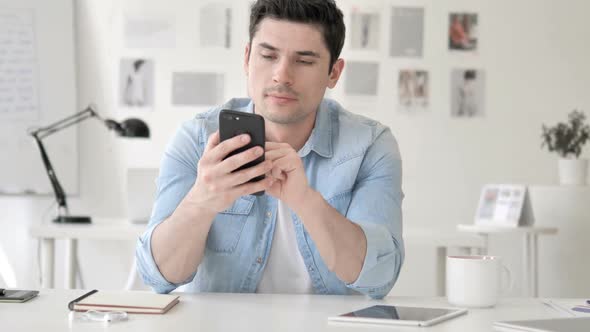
column 57, row 188
column 64, row 123
column 43, row 132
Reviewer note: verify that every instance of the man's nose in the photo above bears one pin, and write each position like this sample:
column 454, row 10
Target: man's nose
column 283, row 72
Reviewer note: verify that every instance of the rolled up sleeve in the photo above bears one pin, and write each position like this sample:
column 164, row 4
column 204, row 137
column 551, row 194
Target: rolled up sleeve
column 376, row 207
column 178, row 171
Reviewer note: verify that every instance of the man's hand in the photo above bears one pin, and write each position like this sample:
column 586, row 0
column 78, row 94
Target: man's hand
column 290, row 182
column 216, row 187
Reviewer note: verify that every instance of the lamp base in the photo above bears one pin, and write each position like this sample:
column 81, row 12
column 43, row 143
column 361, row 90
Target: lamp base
column 72, row 220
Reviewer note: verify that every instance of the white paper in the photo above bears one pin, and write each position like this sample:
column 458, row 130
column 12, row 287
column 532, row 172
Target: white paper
column 362, row 79
column 216, row 22
column 143, row 32
column 407, row 32
column 19, row 96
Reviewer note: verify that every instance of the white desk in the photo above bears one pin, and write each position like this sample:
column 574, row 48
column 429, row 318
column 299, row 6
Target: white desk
column 100, row 229
column 529, row 253
column 255, row 312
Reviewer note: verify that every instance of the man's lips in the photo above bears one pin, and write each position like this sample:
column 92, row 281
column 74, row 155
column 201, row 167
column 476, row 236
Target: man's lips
column 281, row 98
column 284, row 97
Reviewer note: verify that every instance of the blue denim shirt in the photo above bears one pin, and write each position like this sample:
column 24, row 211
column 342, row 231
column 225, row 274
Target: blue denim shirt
column 353, row 161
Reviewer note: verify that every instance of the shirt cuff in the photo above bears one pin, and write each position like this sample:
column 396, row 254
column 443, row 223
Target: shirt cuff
column 147, row 267
column 382, row 264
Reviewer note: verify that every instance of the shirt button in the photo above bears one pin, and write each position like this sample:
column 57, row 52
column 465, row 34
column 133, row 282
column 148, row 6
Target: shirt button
column 268, row 214
column 259, row 260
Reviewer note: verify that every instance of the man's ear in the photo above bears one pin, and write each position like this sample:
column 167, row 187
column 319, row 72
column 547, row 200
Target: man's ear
column 246, row 58
column 337, row 69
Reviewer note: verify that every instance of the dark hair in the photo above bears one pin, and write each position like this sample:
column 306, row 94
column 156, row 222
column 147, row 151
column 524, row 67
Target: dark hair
column 323, row 13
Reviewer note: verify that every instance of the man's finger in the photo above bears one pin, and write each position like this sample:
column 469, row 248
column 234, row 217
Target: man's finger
column 249, row 188
column 275, row 145
column 276, row 154
column 212, row 141
column 285, row 164
column 226, row 147
column 236, row 161
column 277, row 174
column 245, row 175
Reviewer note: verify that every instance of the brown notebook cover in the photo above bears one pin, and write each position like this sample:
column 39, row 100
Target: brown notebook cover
column 130, row 302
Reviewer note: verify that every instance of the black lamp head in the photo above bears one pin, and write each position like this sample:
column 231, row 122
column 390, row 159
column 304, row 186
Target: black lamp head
column 129, row 128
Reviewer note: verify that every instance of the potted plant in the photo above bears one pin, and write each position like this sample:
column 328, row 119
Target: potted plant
column 567, row 139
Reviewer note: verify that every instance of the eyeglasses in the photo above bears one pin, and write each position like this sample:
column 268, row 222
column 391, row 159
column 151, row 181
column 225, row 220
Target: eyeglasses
column 99, row 316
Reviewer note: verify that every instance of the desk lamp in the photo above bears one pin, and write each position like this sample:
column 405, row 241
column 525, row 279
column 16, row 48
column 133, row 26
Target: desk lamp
column 128, row 128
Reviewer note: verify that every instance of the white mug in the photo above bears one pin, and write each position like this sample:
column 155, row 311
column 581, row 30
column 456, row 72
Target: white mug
column 475, row 281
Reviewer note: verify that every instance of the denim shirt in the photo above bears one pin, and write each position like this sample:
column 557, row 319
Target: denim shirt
column 353, row 161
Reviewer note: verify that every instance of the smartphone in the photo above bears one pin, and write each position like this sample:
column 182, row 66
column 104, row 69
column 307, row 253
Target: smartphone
column 234, row 123
column 17, row 296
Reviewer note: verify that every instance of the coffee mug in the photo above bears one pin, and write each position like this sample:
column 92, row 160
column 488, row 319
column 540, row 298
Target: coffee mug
column 475, row 281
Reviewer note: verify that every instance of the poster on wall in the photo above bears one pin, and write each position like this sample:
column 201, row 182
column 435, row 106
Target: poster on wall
column 407, row 32
column 136, row 83
column 467, row 93
column 364, row 30
column 216, row 25
column 149, row 32
column 197, row 89
column 413, row 90
column 463, row 31
column 361, row 78
column 19, row 66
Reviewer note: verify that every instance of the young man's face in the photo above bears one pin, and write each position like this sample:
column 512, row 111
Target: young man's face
column 287, row 68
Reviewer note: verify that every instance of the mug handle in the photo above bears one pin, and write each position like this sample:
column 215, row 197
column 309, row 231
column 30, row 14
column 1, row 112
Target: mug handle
column 509, row 281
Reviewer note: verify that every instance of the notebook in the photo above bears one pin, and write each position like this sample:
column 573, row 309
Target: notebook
column 130, row 302
column 545, row 325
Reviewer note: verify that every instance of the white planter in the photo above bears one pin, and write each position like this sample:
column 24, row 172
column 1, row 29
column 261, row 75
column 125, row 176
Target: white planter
column 573, row 171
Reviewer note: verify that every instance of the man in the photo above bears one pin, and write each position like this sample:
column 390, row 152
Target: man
column 330, row 220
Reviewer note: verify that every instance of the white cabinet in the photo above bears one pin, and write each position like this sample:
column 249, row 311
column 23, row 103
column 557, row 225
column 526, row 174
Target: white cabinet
column 564, row 266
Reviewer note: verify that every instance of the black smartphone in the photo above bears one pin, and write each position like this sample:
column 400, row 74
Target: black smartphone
column 234, row 123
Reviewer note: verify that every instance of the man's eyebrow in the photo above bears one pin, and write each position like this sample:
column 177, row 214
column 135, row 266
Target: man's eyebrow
column 268, row 46
column 300, row 53
column 308, row 53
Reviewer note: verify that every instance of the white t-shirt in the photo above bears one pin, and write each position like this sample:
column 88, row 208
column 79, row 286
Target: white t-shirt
column 285, row 270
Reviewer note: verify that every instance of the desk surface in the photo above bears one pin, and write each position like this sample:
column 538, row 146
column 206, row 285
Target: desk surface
column 255, row 312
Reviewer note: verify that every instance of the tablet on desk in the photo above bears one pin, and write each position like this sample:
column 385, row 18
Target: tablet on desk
column 398, row 315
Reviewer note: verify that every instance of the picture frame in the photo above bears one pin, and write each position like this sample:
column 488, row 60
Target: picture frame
column 507, row 205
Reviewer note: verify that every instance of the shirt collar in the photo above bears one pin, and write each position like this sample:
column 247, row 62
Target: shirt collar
column 320, row 140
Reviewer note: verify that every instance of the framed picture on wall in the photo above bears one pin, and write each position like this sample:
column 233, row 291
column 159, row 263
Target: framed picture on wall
column 504, row 205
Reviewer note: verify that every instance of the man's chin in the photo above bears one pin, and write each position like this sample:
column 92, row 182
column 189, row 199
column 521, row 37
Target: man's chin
column 282, row 116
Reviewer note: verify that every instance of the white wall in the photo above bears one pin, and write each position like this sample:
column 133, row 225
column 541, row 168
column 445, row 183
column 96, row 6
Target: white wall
column 534, row 53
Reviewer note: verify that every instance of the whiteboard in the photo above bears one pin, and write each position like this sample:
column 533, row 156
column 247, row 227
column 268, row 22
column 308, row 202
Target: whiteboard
column 37, row 88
